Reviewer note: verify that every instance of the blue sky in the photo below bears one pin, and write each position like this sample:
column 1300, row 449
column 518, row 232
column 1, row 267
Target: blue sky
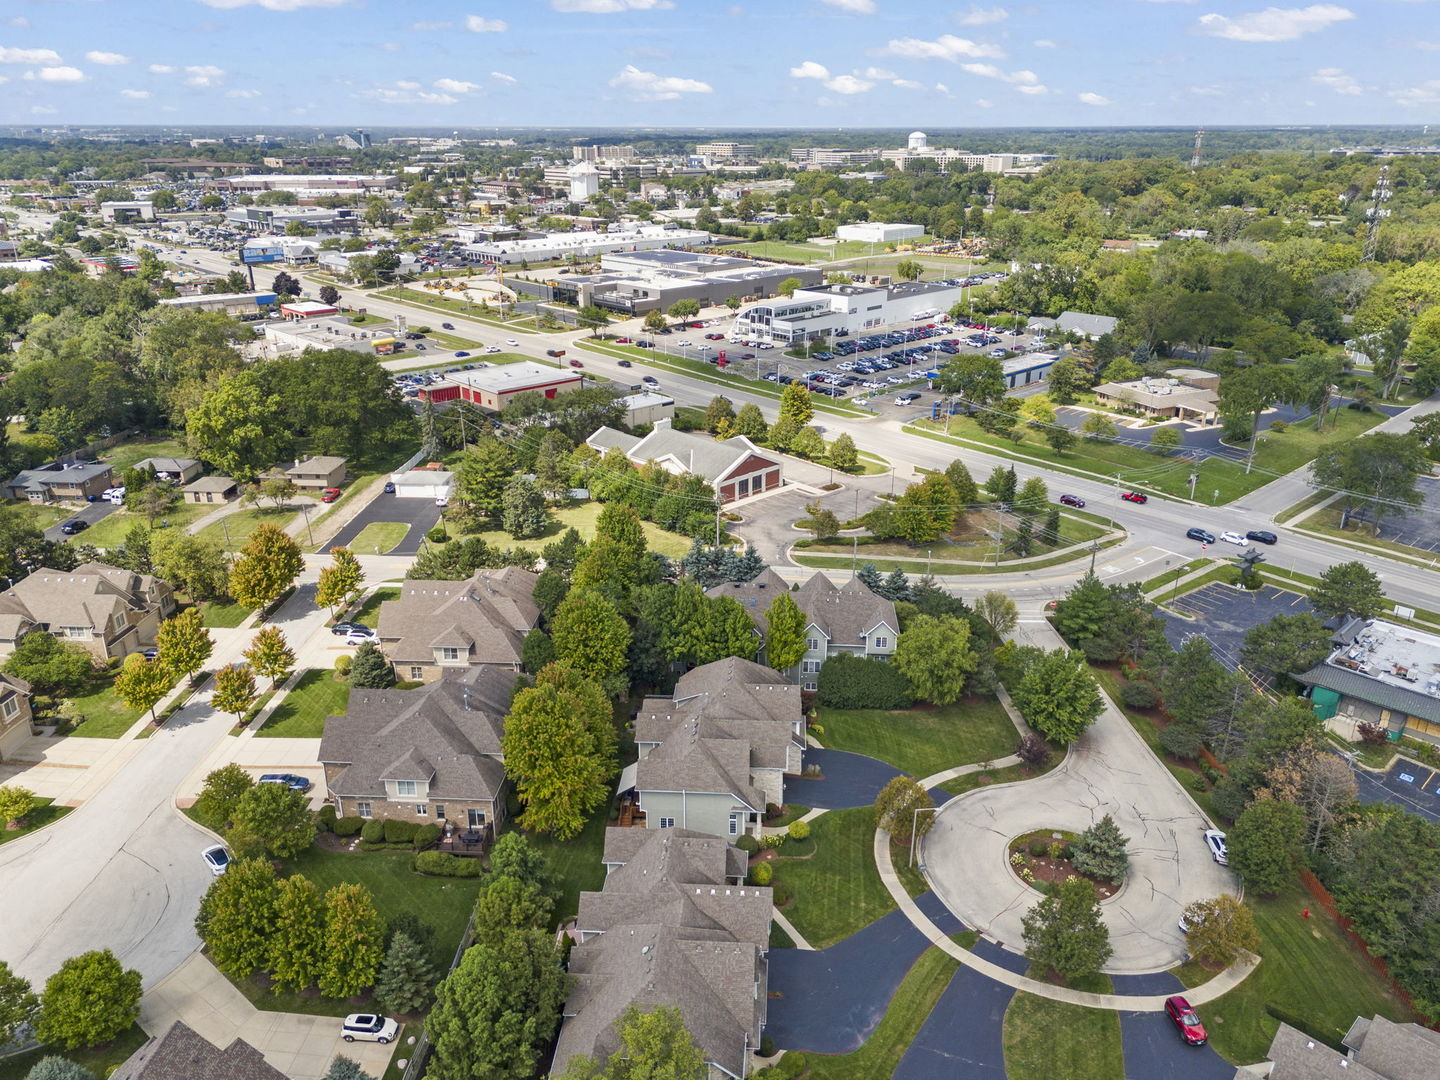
column 690, row 63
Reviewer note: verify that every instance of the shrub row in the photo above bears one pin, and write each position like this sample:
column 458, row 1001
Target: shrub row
column 443, row 864
column 852, row 682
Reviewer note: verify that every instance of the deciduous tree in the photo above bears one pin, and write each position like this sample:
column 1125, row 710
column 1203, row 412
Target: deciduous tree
column 234, row 691
column 273, row 819
column 934, row 653
column 590, row 634
column 654, row 1045
column 796, row 407
column 89, row 1001
column 270, row 655
column 1221, row 928
column 1285, row 645
column 237, row 917
column 49, row 665
column 523, row 514
column 268, row 564
column 184, row 643
column 221, row 793
column 1265, row 843
column 297, row 945
column 340, row 581
column 141, row 683
column 1350, row 589
column 354, row 941
column 784, row 632
column 843, row 454
column 896, row 806
column 1064, row 932
column 18, row 1003
column 1058, row 697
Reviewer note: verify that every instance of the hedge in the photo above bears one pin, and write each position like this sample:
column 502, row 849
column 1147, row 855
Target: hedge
column 443, row 864
column 398, row 831
column 347, row 826
column 326, row 818
column 852, row 682
column 426, row 836
column 373, row 831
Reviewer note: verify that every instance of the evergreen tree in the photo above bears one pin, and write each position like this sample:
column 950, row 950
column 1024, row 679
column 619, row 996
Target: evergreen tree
column 370, row 670
column 406, row 978
column 705, row 565
column 1264, row 845
column 1064, row 932
column 1024, row 541
column 1102, row 851
column 1050, row 534
column 52, row 1067
column 343, row 1068
column 523, row 515
column 135, row 552
column 1197, row 688
column 354, row 934
column 746, row 567
column 896, row 586
column 870, row 578
column 431, row 449
column 297, row 944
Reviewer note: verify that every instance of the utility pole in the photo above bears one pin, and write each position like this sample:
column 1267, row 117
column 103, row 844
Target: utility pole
column 1193, row 478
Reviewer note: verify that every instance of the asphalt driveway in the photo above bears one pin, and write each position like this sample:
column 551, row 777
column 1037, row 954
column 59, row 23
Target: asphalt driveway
column 90, row 513
column 964, row 1035
column 850, row 780
column 1153, row 1048
column 420, row 514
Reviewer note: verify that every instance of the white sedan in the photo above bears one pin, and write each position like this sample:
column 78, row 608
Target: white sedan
column 512, row 343
column 493, row 349
column 1233, row 538
column 217, row 859
column 683, row 345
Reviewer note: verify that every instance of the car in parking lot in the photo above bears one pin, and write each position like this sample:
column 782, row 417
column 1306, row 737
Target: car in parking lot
column 907, row 399
column 1215, row 841
column 684, row 343
column 1071, row 500
column 216, row 858
column 368, row 1027
column 329, row 495
column 1261, row 536
column 342, row 628
column 1233, row 538
column 73, row 526
column 1135, row 497
column 285, row 779
column 359, row 635
column 1186, row 1022
column 1201, row 535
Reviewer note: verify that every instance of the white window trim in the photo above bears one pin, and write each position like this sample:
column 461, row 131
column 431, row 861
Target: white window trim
column 812, row 644
column 881, row 643
column 449, row 653
column 439, row 811
column 416, row 671
column 421, row 810
column 667, row 823
column 10, row 708
column 400, row 788
column 363, row 809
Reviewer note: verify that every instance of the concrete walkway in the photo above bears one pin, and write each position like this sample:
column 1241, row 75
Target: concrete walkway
column 302, row 1047
column 789, row 928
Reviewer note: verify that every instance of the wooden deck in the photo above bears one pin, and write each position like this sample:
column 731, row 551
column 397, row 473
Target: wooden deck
column 469, row 843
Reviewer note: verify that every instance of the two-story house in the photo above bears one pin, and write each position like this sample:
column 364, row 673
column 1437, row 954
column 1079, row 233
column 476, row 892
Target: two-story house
column 844, row 619
column 434, row 626
column 14, row 714
column 317, row 473
column 713, row 756
column 110, row 611
column 429, row 754
column 671, row 927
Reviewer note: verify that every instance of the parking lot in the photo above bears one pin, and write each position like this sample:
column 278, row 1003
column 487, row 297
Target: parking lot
column 1421, row 527
column 1223, row 614
column 1411, row 787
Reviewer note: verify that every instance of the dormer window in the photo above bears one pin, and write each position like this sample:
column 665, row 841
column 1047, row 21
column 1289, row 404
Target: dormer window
column 405, row 789
column 449, row 652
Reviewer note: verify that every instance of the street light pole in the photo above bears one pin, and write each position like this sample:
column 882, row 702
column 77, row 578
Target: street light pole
column 915, row 827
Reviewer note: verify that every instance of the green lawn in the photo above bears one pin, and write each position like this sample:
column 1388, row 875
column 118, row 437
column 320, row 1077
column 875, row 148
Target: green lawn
column 42, row 815
column 1007, row 775
column 223, row 615
column 783, row 250
column 915, row 998
column 576, row 862
column 1310, row 970
column 583, row 517
column 38, row 514
column 369, row 611
column 922, row 741
column 379, row 537
column 966, row 548
column 99, row 1060
column 233, row 530
column 126, row 454
column 301, row 715
column 110, row 531
column 106, row 716
column 1045, row 1039
column 1326, row 522
column 837, row 891
column 925, row 566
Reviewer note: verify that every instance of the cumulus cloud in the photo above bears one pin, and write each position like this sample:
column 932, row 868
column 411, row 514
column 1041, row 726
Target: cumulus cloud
column 136, row 95
column 107, row 59
column 945, row 47
column 243, row 94
column 907, row 84
column 273, row 5
column 1337, row 80
column 1043, row 43
column 1027, row 82
column 1037, row 88
column 1427, row 94
column 28, row 56
column 1274, row 24
column 162, row 69
column 648, row 86
column 455, row 86
column 203, row 74
column 810, row 70
column 609, row 7
column 848, row 84
column 57, row 74
column 406, row 92
column 478, row 24
column 859, row 7
column 978, row 16
column 1090, row 98
column 500, row 76
column 984, row 103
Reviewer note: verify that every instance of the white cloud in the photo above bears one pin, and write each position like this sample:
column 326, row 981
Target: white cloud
column 136, row 95
column 941, row 88
column 478, row 24
column 162, row 69
column 877, row 73
column 978, row 16
column 19, row 22
column 243, row 94
column 859, row 7
column 810, row 70
column 1427, row 93
column 984, row 103
column 648, row 86
column 405, row 93
column 848, row 84
column 907, row 84
column 609, row 7
column 203, row 74
column 44, row 110
column 107, row 59
column 500, row 76
column 1337, row 80
column 1208, row 91
column 990, row 71
column 273, row 5
column 1274, row 24
column 1043, row 43
column 455, row 86
column 28, row 56
column 391, row 46
column 1094, row 99
column 945, row 47
column 57, row 74
column 1034, row 89
column 431, row 26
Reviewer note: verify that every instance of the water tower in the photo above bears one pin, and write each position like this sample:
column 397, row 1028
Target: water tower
column 917, row 142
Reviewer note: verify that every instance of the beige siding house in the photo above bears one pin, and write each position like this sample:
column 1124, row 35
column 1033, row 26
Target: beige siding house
column 110, row 611
column 317, row 473
column 14, row 714
column 435, row 626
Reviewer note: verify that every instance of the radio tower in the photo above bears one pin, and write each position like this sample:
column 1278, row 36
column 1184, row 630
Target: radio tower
column 1195, row 155
column 1377, row 211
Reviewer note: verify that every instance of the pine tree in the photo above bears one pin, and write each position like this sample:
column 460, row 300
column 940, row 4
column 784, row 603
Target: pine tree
column 1102, row 851
column 431, row 448
column 1051, row 533
column 523, row 513
column 746, row 567
column 270, row 655
column 407, row 977
column 370, row 670
column 896, row 586
column 343, row 1068
column 1024, row 541
column 298, row 941
column 354, row 935
column 870, row 578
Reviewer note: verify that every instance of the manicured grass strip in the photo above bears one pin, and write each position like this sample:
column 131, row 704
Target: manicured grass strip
column 98, row 1060
column 109, row 531
column 369, row 612
column 231, row 531
column 42, row 815
column 923, row 741
column 1326, row 522
column 106, row 716
column 379, row 537
column 582, row 518
column 923, row 566
column 1046, row 1039
column 915, row 998
column 1172, row 574
column 302, row 714
column 576, row 862
column 1309, row 970
column 838, row 891
column 220, row 615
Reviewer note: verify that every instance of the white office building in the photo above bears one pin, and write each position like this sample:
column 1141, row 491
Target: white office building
column 826, row 310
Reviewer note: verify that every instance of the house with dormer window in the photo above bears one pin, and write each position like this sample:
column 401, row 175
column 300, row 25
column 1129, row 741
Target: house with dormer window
column 436, row 626
column 110, row 611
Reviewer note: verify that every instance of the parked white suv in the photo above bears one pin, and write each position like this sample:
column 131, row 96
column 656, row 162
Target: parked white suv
column 368, row 1027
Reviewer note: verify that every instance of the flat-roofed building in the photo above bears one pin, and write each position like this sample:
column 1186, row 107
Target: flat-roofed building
column 240, row 304
column 822, row 310
column 493, row 387
column 1161, row 399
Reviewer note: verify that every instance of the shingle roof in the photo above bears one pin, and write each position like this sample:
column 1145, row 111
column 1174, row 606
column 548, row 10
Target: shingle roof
column 703, row 852
column 489, row 615
column 1398, row 1051
column 210, row 483
column 1297, row 1056
column 317, row 464
column 168, row 464
column 447, row 732
column 1353, row 684
column 607, row 438
column 754, row 596
column 1084, row 323
column 847, row 613
column 183, row 1054
column 42, row 477
column 681, row 451
column 89, row 595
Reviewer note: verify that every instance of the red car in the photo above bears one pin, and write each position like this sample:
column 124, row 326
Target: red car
column 576, row 363
column 329, row 494
column 1071, row 500
column 1135, row 497
column 697, row 326
column 1185, row 1020
column 622, row 341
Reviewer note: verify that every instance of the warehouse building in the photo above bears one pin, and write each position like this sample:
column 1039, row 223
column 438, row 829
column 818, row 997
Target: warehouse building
column 122, row 212
column 879, row 232
column 242, row 305
column 271, row 219
column 493, row 387
column 584, row 245
column 634, row 282
column 828, row 310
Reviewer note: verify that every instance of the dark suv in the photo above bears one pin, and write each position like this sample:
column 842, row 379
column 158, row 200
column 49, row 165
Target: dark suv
column 1201, row 535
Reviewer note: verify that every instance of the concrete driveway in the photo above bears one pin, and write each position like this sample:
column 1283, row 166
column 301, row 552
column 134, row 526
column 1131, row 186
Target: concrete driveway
column 420, row 514
column 1110, row 770
column 89, row 513
column 302, row 1047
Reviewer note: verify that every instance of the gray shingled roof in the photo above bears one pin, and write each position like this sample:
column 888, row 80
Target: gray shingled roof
column 754, row 596
column 320, row 464
column 489, row 615
column 183, row 1054
column 46, row 475
column 696, row 454
column 847, row 613
column 608, row 438
column 210, row 483
column 1353, row 684
column 1084, row 323
column 89, row 595
column 447, row 732
column 1398, row 1051
column 168, row 464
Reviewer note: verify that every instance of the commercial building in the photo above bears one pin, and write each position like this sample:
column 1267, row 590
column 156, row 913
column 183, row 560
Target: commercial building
column 296, row 310
column 122, row 212
column 1381, row 673
column 824, row 156
column 604, row 153
column 284, row 336
column 355, row 140
column 1161, row 399
column 584, row 181
column 1027, row 369
column 726, row 151
column 98, row 265
column 647, row 408
column 734, row 467
column 243, row 305
column 269, row 219
column 879, row 232
column 825, row 310
column 492, row 387
column 292, row 251
column 584, row 244
column 634, row 282
column 308, row 162
column 326, row 183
